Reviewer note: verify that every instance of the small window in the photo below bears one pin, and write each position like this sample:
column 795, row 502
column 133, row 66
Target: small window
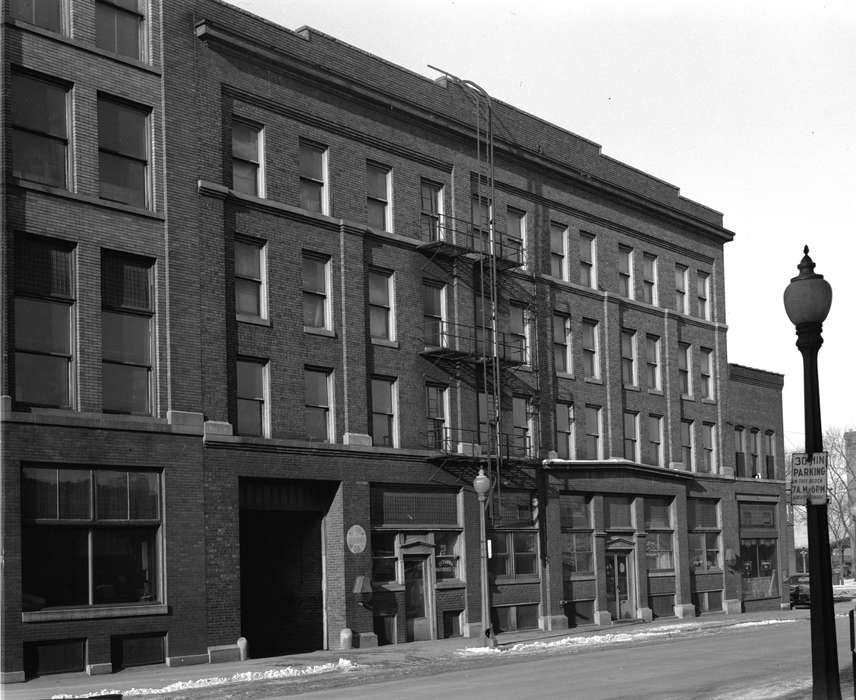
column 628, row 357
column 247, row 161
column 317, row 391
column 562, row 357
column 655, row 440
column 523, row 427
column 519, row 333
column 313, row 177
column 706, row 367
column 446, row 555
column 252, row 397
column 377, row 196
column 39, row 130
column 514, row 242
column 381, row 317
column 434, row 315
column 316, row 292
column 47, row 14
column 558, row 251
column 565, row 448
column 739, row 451
column 703, row 293
column 631, row 436
column 431, row 210
column 688, row 444
column 250, row 278
column 588, row 261
column 383, row 413
column 592, row 448
column 625, row 272
column 649, row 278
column 119, row 27
column 681, row 273
column 435, row 412
column 384, row 558
column 126, row 333
column 591, row 349
column 708, row 448
column 652, row 359
column 685, row 369
column 123, row 135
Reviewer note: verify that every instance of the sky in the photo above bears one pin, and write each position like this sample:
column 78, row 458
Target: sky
column 748, row 107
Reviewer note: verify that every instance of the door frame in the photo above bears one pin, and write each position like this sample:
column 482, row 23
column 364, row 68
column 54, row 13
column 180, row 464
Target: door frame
column 424, row 551
column 625, row 547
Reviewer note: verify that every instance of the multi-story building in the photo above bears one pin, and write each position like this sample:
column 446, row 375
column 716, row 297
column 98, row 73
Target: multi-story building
column 270, row 302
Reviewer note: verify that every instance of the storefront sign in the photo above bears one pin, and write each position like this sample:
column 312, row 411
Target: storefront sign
column 808, row 478
column 356, row 539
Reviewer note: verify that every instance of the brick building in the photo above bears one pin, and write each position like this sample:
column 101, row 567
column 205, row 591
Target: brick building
column 320, row 305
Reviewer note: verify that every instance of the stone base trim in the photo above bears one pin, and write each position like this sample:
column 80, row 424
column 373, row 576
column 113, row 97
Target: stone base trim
column 471, row 630
column 553, row 622
column 645, row 614
column 685, row 610
column 187, row 660
column 224, row 652
column 365, row 640
column 217, row 427
column 12, row 677
column 99, row 669
column 602, row 617
column 732, row 606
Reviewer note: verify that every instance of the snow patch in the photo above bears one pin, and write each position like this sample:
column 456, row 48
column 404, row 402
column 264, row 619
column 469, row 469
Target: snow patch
column 243, row 677
column 780, row 689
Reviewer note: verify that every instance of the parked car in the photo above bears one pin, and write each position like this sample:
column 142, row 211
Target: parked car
column 800, row 589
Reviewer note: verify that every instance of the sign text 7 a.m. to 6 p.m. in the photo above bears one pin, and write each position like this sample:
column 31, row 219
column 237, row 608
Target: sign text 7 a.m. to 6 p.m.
column 808, row 478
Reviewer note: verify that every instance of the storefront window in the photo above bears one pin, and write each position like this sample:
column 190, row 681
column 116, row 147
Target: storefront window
column 446, row 555
column 383, row 556
column 514, row 553
column 658, row 551
column 577, row 556
column 760, row 567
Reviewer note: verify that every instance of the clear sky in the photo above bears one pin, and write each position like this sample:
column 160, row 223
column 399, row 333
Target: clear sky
column 748, row 107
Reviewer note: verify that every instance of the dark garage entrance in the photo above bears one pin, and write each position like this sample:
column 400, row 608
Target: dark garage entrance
column 282, row 604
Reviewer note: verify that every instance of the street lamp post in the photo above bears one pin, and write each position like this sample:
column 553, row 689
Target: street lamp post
column 481, row 485
column 807, row 300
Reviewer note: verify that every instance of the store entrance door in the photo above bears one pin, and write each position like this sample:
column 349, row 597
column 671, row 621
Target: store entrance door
column 619, row 585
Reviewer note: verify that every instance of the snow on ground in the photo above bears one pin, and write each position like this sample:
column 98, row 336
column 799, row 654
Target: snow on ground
column 578, row 642
column 244, row 677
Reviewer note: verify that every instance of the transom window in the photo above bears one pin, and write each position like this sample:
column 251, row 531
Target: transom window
column 123, row 135
column 313, row 177
column 250, row 278
column 126, row 333
column 618, row 512
column 44, row 299
column 316, row 292
column 118, row 27
column 247, row 161
column 317, row 390
column 377, row 196
column 90, row 536
column 39, row 130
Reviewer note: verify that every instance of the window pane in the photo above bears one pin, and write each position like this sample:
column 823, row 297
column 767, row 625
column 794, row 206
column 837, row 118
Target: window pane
column 316, row 423
column 245, row 142
column 38, row 158
column 123, row 565
column 311, row 162
column 43, row 267
column 128, row 34
column 43, row 13
column 378, row 288
column 245, row 177
column 39, row 488
column 381, row 430
column 315, row 387
column 42, row 326
column 55, row 566
column 125, row 281
column 249, row 417
column 39, row 105
column 314, row 275
column 41, row 380
column 381, row 396
column 125, row 389
column 126, row 338
column 379, row 322
column 313, row 311
column 250, row 380
column 376, row 178
column 122, row 128
column 74, row 494
column 111, row 495
column 247, row 297
column 122, row 179
column 143, row 495
column 312, row 195
column 376, row 214
column 247, row 260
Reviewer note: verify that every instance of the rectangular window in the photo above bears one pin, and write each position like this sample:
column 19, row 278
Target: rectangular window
column 681, row 274
column 514, row 242
column 685, row 369
column 770, row 454
column 316, row 292
column 487, row 422
column 708, row 447
column 739, row 451
column 252, row 391
column 575, row 511
column 649, row 278
column 247, row 159
column 688, row 444
column 591, row 349
column 515, row 553
column 446, row 555
column 754, row 453
column 617, row 512
column 592, row 448
column 39, row 130
column 519, row 333
column 126, row 333
column 47, row 14
column 431, row 211
column 655, row 440
column 250, row 278
column 625, row 272
column 577, row 554
column 628, row 357
column 758, row 556
column 652, row 359
column 383, row 412
column 119, row 27
column 703, row 293
column 482, row 213
column 706, row 367
column 558, row 251
column 123, row 151
column 44, row 300
column 631, row 436
column 313, row 177
column 317, row 390
column 565, row 448
column 384, row 559
column 588, row 261
column 377, row 196
column 434, row 315
column 381, row 317
column 90, row 537
column 703, row 538
column 659, row 551
column 522, row 428
column 436, row 397
column 562, row 357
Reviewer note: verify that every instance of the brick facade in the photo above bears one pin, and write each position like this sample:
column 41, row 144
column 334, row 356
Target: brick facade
column 220, row 64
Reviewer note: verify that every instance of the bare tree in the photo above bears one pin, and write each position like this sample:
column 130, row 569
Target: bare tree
column 841, row 477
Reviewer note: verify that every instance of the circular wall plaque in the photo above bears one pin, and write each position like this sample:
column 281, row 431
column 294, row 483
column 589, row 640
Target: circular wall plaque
column 356, row 539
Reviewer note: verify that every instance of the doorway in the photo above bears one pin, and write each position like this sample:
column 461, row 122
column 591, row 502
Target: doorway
column 619, row 585
column 417, row 606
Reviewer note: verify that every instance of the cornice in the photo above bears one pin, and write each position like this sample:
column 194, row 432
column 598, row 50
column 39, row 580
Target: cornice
column 248, row 48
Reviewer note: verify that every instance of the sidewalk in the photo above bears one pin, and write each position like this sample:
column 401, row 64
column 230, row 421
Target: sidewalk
column 159, row 677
